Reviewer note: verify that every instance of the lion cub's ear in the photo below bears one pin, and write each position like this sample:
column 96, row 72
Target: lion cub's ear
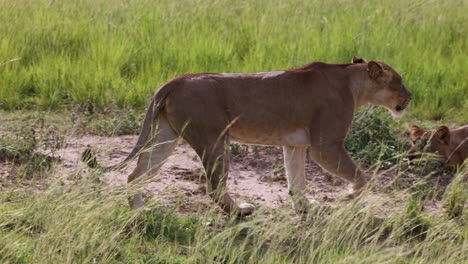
column 357, row 59
column 374, row 69
column 443, row 134
column 416, row 133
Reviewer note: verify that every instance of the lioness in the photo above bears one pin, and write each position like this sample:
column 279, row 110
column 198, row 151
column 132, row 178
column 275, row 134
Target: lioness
column 309, row 106
column 451, row 144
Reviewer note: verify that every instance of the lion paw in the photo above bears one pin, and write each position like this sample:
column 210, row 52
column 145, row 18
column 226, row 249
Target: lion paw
column 305, row 206
column 352, row 195
column 245, row 209
column 136, row 202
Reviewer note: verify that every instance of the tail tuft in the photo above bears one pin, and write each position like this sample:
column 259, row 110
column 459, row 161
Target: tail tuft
column 89, row 157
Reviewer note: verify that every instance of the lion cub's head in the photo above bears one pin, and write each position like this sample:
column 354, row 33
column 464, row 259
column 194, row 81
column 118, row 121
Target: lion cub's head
column 386, row 87
column 435, row 141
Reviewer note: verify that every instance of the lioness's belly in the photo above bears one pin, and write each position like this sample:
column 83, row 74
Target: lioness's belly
column 298, row 137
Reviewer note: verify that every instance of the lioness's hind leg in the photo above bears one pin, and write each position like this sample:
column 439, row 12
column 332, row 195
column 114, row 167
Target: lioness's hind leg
column 207, row 134
column 215, row 159
column 149, row 162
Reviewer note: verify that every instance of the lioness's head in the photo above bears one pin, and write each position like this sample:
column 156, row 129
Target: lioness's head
column 435, row 141
column 386, row 87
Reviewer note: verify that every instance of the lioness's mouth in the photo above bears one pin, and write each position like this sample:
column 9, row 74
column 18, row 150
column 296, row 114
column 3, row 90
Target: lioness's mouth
column 398, row 110
column 402, row 106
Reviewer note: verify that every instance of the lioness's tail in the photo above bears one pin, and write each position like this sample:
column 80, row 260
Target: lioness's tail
column 146, row 132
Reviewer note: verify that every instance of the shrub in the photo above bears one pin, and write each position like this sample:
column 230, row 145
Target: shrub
column 31, row 147
column 373, row 137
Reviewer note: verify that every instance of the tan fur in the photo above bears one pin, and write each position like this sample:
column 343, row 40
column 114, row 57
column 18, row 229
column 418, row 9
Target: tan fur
column 451, row 144
column 309, row 106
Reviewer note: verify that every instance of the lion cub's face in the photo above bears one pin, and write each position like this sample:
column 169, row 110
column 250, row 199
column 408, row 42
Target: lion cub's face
column 437, row 141
column 388, row 89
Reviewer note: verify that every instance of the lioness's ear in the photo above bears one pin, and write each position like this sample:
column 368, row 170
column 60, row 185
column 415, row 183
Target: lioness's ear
column 416, row 133
column 442, row 134
column 357, row 59
column 374, row 69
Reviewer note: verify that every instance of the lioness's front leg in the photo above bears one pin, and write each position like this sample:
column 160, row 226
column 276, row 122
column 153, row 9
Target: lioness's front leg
column 294, row 164
column 334, row 158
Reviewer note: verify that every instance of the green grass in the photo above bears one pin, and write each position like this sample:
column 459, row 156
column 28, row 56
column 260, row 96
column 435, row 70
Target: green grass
column 56, row 54
column 87, row 222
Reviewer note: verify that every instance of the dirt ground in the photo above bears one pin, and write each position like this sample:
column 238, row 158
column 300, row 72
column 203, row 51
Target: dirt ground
column 256, row 173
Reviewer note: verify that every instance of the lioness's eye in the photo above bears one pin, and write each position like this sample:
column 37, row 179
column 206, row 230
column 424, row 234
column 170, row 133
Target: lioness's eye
column 427, row 148
column 420, row 143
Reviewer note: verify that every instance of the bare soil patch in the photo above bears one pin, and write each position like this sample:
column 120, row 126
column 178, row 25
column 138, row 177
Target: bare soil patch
column 256, row 173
